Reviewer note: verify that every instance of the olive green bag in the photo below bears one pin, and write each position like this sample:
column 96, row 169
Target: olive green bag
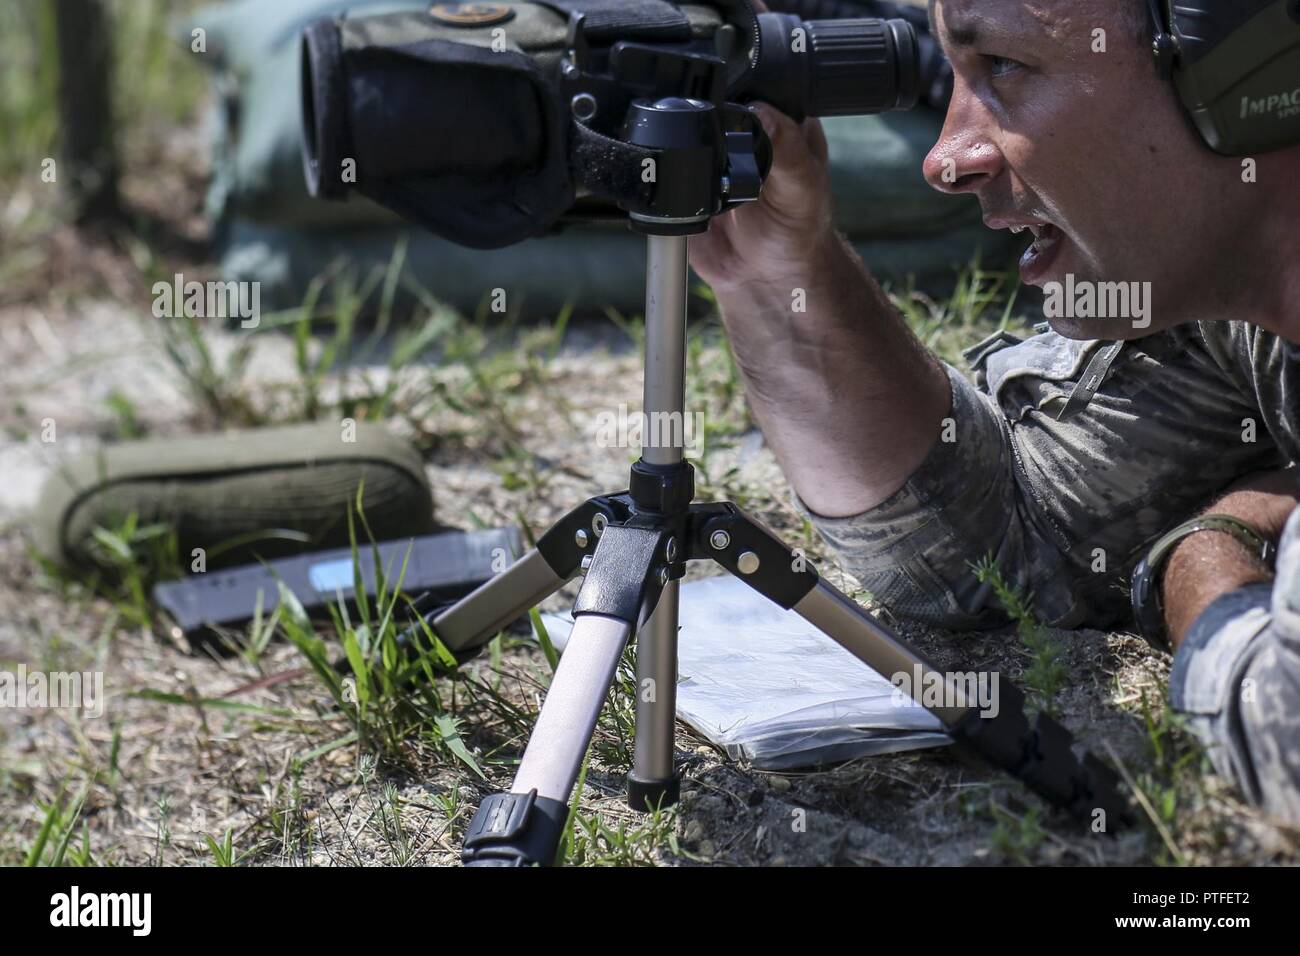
column 239, row 496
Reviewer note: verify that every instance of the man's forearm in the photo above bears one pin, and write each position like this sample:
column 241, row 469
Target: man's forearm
column 1209, row 564
column 847, row 397
column 1204, row 567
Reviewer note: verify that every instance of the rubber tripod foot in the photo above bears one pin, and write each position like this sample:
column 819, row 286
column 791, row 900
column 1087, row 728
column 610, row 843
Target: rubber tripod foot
column 645, row 795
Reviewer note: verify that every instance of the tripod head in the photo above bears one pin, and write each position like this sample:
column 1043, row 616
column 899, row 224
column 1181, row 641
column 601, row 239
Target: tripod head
column 691, row 159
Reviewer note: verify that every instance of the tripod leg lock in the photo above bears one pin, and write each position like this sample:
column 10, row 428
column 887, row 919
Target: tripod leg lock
column 515, row 829
column 662, row 489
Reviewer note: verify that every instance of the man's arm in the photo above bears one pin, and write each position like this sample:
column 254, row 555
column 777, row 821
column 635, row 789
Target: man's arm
column 1209, row 564
column 1236, row 674
column 847, row 397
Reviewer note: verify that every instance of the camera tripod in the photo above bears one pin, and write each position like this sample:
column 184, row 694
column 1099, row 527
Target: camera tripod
column 633, row 547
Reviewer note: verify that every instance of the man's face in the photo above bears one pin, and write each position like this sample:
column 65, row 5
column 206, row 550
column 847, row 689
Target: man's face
column 1059, row 124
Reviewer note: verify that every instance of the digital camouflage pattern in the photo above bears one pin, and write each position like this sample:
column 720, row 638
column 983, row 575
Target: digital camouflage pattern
column 1236, row 677
column 1067, row 495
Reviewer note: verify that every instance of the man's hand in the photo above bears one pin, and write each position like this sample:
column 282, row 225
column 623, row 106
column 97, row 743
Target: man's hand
column 1209, row 564
column 847, row 398
column 787, row 233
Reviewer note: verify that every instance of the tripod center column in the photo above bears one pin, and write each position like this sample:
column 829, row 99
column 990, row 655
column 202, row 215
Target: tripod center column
column 664, row 403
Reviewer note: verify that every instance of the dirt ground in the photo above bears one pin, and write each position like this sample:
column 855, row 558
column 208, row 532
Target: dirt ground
column 160, row 777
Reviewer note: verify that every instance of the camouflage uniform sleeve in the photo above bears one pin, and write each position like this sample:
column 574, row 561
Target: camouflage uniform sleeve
column 1063, row 461
column 1236, row 677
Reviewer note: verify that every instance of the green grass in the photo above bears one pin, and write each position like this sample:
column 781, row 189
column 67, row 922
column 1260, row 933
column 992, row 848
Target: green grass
column 127, row 559
column 613, row 745
column 355, row 358
column 388, row 692
column 594, row 842
column 983, row 301
column 1046, row 674
column 223, row 850
column 1017, row 836
column 1171, row 781
column 54, row 844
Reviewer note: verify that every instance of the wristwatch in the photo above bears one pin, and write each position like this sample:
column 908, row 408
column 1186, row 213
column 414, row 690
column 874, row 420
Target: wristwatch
column 1148, row 609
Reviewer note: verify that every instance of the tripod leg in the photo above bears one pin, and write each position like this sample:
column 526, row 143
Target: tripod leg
column 846, row 622
column 525, row 825
column 652, row 781
column 479, row 615
column 1037, row 750
column 563, row 730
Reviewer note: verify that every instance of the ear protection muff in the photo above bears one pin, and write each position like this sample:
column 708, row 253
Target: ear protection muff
column 1236, row 67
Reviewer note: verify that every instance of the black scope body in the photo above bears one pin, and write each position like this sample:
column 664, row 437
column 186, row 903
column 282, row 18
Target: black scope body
column 487, row 122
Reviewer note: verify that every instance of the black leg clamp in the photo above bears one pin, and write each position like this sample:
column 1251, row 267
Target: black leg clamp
column 623, row 579
column 515, row 829
column 559, row 544
column 724, row 533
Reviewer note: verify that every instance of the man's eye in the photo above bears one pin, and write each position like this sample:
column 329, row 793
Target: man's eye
column 1002, row 65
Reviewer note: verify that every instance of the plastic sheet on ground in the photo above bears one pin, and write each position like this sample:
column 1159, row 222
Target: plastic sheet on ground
column 768, row 687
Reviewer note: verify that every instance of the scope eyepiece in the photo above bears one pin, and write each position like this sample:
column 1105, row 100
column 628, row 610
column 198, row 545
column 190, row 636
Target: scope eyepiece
column 835, row 67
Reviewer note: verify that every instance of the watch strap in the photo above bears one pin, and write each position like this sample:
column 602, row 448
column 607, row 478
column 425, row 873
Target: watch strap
column 1148, row 610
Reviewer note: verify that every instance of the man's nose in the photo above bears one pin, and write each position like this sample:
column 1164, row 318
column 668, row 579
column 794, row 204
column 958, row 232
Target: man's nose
column 965, row 159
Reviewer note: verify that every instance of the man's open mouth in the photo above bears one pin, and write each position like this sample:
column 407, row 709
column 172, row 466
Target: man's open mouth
column 1042, row 253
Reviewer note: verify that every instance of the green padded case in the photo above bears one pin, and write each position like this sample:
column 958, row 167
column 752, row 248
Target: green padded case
column 237, row 486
